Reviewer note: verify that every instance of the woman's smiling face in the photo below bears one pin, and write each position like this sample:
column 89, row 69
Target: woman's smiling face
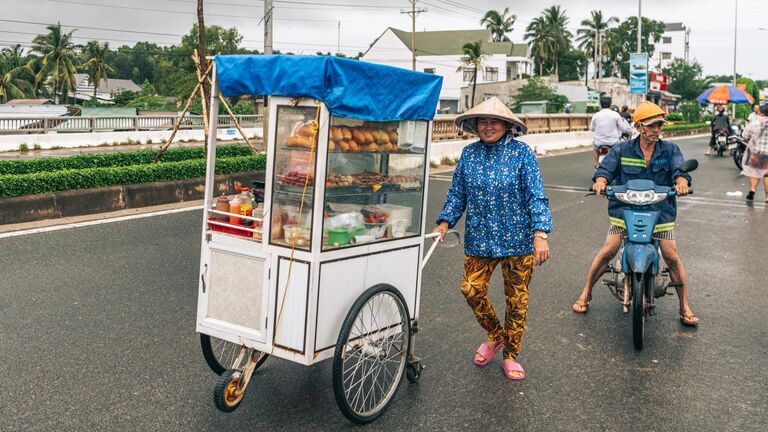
column 491, row 129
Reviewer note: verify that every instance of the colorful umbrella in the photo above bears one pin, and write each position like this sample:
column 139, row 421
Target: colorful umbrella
column 724, row 94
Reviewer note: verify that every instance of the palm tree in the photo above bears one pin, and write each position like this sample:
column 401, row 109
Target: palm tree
column 473, row 56
column 541, row 43
column 14, row 55
column 96, row 66
column 499, row 24
column 57, row 68
column 13, row 81
column 556, row 22
column 587, row 35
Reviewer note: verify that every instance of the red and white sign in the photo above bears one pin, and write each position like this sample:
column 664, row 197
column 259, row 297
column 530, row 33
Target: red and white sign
column 658, row 82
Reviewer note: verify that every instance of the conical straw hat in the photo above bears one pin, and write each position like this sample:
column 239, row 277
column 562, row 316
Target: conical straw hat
column 494, row 108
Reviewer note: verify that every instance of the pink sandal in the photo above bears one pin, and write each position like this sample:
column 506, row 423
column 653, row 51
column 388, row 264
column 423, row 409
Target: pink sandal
column 510, row 365
column 487, row 352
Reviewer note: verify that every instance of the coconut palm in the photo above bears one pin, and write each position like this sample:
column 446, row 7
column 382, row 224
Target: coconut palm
column 14, row 55
column 473, row 56
column 14, row 82
column 541, row 43
column 57, row 68
column 96, row 66
column 499, row 24
column 587, row 35
column 556, row 22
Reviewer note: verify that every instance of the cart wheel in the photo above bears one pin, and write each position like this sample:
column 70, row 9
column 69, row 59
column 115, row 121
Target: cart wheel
column 371, row 353
column 413, row 371
column 219, row 354
column 227, row 395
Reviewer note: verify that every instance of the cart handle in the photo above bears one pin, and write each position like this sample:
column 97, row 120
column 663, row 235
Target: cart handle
column 437, row 241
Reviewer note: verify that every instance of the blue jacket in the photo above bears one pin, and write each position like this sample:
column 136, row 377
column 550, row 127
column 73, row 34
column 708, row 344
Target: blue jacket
column 626, row 162
column 500, row 187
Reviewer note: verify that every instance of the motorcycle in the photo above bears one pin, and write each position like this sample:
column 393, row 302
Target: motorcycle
column 602, row 151
column 638, row 277
column 738, row 146
column 721, row 141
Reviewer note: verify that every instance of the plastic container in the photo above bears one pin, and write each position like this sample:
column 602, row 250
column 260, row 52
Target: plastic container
column 222, row 204
column 246, row 208
column 234, row 207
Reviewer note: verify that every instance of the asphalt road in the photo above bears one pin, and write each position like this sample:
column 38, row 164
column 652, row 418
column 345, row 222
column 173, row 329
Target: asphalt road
column 97, row 330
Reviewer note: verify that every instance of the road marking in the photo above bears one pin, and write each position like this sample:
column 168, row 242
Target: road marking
column 96, row 222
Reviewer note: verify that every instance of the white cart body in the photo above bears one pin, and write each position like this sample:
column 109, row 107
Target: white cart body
column 288, row 302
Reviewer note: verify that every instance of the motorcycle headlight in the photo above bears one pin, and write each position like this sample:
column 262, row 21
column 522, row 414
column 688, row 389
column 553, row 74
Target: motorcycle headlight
column 647, row 197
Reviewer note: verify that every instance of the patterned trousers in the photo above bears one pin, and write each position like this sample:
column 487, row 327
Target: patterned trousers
column 517, row 271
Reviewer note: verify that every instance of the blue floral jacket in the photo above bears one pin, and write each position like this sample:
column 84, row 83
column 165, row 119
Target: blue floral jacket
column 500, row 187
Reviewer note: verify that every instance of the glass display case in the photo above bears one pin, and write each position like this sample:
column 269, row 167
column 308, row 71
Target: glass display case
column 294, row 176
column 374, row 181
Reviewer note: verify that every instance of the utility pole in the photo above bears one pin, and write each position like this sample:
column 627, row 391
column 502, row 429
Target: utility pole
column 639, row 26
column 338, row 38
column 413, row 12
column 735, row 33
column 268, row 26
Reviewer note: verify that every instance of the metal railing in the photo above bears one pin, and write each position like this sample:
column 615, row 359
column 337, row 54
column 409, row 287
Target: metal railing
column 31, row 125
column 444, row 128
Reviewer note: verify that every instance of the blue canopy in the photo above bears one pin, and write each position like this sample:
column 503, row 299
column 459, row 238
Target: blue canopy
column 349, row 88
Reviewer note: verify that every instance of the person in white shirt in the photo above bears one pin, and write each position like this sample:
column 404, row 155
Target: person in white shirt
column 753, row 115
column 608, row 125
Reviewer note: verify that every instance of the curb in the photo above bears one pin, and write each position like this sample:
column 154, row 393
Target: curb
column 31, row 208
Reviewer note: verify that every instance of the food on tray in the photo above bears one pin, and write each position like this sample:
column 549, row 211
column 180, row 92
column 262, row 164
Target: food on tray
column 331, row 145
column 299, row 141
column 405, row 182
column 305, row 130
column 295, row 178
column 372, row 138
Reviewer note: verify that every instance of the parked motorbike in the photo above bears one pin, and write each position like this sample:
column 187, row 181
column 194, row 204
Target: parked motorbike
column 637, row 275
column 721, row 141
column 738, row 146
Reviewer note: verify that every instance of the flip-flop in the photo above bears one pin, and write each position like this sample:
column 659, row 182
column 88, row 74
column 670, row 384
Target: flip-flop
column 510, row 365
column 690, row 320
column 580, row 307
column 487, row 352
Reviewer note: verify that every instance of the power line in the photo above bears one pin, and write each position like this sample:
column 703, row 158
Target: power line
column 333, row 5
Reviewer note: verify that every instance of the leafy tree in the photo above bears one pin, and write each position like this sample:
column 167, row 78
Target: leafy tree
column 95, row 65
column 124, row 97
column 14, row 55
column 743, row 110
column 572, row 63
column 622, row 41
column 691, row 111
column 587, row 36
column 499, row 24
column 57, row 68
column 685, row 79
column 243, row 108
column 473, row 56
column 538, row 90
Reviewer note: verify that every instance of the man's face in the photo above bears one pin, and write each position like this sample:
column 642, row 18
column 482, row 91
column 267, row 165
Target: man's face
column 490, row 129
column 651, row 132
column 756, row 108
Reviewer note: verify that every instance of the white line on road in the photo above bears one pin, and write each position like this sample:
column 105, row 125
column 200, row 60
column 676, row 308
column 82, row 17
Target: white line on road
column 95, row 222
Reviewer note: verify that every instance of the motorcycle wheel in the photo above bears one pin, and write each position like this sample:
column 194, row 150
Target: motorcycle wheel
column 638, row 286
column 738, row 155
column 720, row 151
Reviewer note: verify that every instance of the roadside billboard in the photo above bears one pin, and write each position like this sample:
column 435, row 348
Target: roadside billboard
column 638, row 73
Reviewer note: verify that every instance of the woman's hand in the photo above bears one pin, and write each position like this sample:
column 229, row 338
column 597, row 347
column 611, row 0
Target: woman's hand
column 441, row 228
column 540, row 251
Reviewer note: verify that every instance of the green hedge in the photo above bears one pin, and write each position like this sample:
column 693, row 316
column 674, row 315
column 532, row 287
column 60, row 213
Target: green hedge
column 46, row 182
column 684, row 126
column 104, row 160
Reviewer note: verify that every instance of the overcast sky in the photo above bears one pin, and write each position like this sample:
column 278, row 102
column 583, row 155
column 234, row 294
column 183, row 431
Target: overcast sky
column 306, row 26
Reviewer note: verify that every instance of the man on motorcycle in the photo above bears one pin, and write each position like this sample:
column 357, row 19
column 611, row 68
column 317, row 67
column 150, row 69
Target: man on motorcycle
column 608, row 126
column 645, row 157
column 625, row 114
column 720, row 121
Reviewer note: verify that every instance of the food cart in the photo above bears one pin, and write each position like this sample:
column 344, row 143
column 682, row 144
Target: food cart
column 330, row 265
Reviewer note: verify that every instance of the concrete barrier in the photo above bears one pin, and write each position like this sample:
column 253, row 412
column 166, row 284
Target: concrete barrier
column 75, row 139
column 99, row 200
column 540, row 143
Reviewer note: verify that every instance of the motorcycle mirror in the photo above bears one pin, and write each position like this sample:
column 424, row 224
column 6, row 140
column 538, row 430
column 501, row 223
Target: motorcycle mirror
column 689, row 165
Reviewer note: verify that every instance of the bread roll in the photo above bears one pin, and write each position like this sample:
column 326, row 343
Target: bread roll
column 331, row 145
column 345, row 133
column 344, row 146
column 369, row 138
column 373, row 148
column 305, row 130
column 382, row 138
column 393, row 137
column 358, row 136
column 353, row 146
column 337, row 134
column 292, row 141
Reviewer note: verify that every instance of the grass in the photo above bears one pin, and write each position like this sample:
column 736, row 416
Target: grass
column 23, row 147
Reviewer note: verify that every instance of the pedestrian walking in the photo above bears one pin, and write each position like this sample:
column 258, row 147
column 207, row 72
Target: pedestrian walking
column 755, row 160
column 498, row 183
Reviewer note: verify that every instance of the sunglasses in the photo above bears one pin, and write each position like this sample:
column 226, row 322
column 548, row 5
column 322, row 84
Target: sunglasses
column 655, row 125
